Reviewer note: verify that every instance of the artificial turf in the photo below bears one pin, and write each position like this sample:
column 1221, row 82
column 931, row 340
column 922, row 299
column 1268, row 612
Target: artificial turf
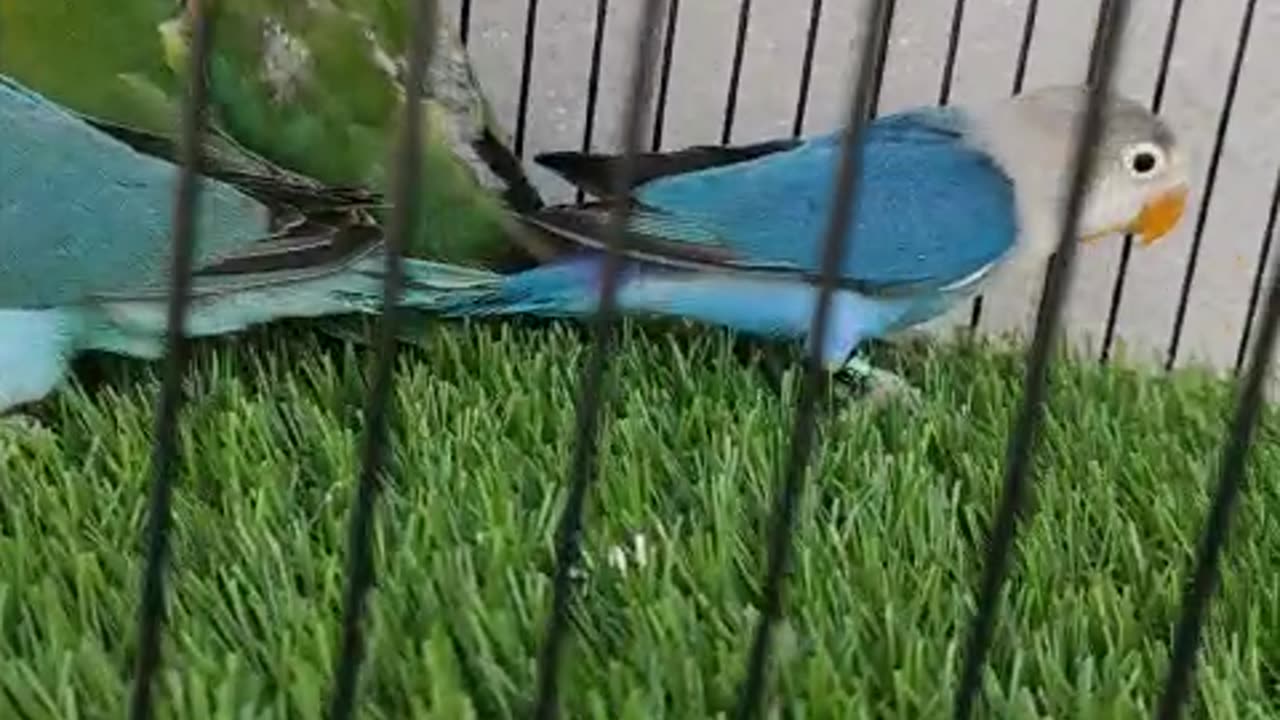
column 888, row 545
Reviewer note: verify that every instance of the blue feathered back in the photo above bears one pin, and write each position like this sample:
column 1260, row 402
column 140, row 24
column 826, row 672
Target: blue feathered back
column 932, row 209
column 82, row 214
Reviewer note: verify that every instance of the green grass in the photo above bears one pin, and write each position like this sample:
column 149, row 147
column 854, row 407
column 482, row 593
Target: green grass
column 887, row 552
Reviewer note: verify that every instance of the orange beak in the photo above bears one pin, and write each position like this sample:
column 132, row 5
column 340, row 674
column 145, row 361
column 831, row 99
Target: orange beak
column 1160, row 215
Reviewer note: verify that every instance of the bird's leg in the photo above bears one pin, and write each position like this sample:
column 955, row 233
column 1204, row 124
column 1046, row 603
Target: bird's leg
column 774, row 367
column 775, row 363
column 768, row 358
column 855, row 381
column 873, row 385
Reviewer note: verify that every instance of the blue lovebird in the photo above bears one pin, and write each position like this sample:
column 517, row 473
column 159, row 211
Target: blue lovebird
column 85, row 215
column 947, row 198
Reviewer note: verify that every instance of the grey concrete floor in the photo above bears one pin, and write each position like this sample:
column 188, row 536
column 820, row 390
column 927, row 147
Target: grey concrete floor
column 1197, row 85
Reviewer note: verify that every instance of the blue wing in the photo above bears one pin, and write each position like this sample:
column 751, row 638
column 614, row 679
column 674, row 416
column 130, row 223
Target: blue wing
column 83, row 214
column 931, row 209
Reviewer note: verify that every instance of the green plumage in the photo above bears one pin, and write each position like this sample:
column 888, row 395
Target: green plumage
column 311, row 87
column 106, row 64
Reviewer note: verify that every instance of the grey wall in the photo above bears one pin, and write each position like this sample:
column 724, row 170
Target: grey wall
column 1202, row 59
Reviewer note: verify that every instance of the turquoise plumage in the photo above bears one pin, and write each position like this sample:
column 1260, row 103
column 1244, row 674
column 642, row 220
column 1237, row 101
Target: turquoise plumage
column 85, row 215
column 85, row 222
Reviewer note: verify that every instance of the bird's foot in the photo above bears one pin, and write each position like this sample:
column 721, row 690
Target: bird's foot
column 875, row 387
column 856, row 383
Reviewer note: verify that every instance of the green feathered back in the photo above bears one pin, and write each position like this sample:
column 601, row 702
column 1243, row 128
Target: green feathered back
column 316, row 87
column 313, row 87
column 100, row 62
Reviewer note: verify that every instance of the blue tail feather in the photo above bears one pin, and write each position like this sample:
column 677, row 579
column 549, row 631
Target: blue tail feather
column 564, row 288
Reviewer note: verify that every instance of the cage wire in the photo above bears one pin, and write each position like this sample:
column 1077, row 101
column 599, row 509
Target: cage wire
column 652, row 65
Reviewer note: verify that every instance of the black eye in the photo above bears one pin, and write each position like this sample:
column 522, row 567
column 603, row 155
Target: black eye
column 1143, row 162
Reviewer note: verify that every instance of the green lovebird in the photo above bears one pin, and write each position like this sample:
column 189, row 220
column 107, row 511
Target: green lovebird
column 297, row 89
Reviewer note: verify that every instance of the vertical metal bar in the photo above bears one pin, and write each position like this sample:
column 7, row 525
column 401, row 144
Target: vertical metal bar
column 1017, row 477
column 1019, row 78
column 1024, row 47
column 835, row 246
column 593, row 81
column 591, row 388
column 664, row 79
column 464, row 22
column 1126, row 250
column 1224, row 119
column 404, row 196
column 806, row 67
column 735, row 73
column 526, row 75
column 953, row 50
column 1091, row 77
column 882, row 60
column 1255, row 291
column 1231, row 481
column 164, row 450
column 1095, row 58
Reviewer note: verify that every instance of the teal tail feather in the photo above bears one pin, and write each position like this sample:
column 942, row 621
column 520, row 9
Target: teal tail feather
column 136, row 326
